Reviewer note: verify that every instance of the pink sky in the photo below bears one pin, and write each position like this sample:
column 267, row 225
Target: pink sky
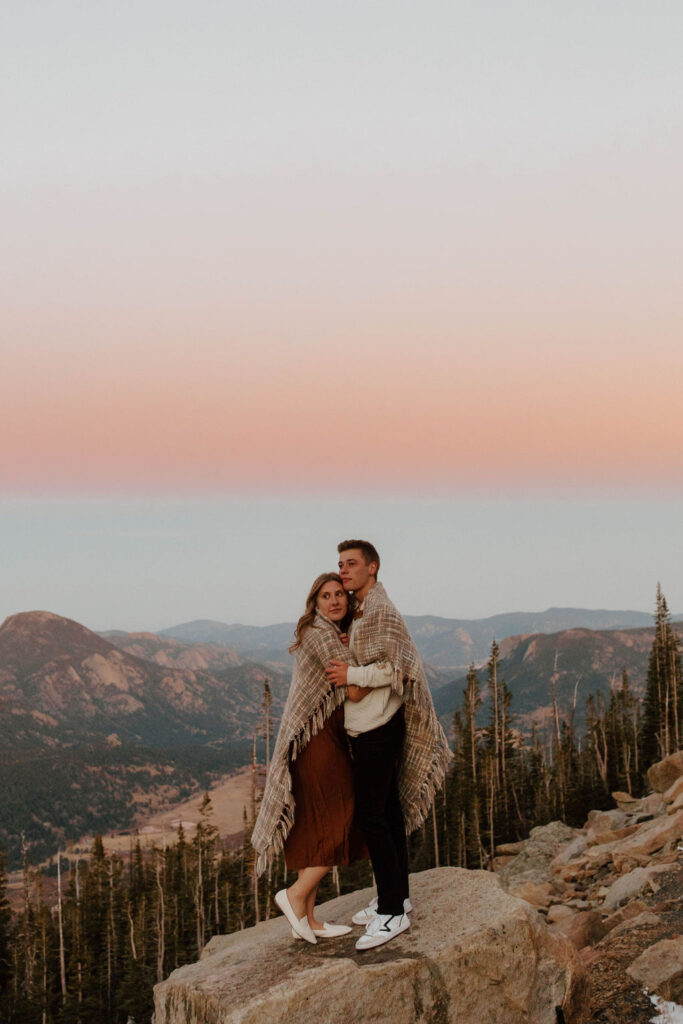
column 392, row 416
column 286, row 261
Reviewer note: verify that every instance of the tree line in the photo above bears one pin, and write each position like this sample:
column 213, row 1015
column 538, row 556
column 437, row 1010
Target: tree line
column 111, row 927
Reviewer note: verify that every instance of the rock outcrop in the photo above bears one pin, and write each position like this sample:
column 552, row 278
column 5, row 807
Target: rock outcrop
column 505, row 949
column 660, row 969
column 661, row 776
column 591, row 884
column 473, row 953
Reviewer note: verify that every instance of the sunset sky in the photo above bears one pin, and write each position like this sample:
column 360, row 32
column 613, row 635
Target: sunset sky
column 260, row 252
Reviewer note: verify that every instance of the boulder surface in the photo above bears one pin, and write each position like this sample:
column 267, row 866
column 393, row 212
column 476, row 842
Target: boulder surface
column 660, row 969
column 473, row 953
column 532, row 862
column 663, row 774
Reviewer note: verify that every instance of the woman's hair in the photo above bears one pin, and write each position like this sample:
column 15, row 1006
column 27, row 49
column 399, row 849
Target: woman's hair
column 306, row 620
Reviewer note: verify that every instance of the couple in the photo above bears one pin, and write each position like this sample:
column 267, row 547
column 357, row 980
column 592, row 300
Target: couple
column 358, row 685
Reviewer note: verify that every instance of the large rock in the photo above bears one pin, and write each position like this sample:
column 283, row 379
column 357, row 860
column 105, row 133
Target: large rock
column 643, row 920
column 673, row 798
column 569, row 852
column 650, row 837
column 630, row 885
column 663, row 774
column 542, row 846
column 660, row 969
column 674, row 792
column 539, row 894
column 652, row 804
column 606, row 821
column 473, row 953
column 625, row 802
column 583, row 928
column 624, row 914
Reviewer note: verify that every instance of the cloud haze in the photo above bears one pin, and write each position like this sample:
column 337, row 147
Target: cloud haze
column 148, row 564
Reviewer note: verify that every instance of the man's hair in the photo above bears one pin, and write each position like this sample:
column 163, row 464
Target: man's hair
column 368, row 550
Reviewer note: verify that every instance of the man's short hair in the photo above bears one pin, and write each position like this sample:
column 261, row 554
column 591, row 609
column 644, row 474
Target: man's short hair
column 368, row 550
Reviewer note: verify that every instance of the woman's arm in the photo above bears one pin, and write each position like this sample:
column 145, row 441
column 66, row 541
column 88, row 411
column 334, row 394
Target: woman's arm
column 355, row 693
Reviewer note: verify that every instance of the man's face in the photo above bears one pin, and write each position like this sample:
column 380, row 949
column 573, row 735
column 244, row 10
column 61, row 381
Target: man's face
column 355, row 574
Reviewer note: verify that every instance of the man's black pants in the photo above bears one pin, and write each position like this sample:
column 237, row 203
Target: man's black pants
column 378, row 809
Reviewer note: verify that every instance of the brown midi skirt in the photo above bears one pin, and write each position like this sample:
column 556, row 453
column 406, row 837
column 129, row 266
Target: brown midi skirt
column 323, row 833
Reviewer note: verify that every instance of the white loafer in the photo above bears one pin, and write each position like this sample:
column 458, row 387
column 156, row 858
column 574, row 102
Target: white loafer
column 328, row 931
column 301, row 927
column 332, row 931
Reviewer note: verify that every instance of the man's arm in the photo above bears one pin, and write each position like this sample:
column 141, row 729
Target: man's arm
column 365, row 676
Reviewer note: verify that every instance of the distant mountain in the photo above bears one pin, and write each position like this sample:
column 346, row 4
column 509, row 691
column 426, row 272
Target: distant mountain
column 172, row 653
column 445, row 644
column 58, row 678
column 126, row 726
column 589, row 660
column 266, row 643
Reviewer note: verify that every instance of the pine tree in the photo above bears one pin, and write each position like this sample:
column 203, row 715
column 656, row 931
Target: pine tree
column 5, row 935
column 266, row 705
column 465, row 779
column 663, row 707
column 205, row 844
column 501, row 767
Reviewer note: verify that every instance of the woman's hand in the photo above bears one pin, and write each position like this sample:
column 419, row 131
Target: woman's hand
column 356, row 693
column 345, row 639
column 337, row 672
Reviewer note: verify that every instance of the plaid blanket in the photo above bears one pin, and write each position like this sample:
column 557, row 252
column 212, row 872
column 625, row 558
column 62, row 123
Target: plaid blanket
column 310, row 702
column 380, row 635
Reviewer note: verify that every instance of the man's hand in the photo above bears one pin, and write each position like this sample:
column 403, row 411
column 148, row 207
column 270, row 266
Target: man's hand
column 337, row 672
column 345, row 639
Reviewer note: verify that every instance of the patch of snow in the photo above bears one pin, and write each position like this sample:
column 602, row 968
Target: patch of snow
column 668, row 1013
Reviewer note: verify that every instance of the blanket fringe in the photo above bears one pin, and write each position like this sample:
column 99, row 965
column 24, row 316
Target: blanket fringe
column 333, row 699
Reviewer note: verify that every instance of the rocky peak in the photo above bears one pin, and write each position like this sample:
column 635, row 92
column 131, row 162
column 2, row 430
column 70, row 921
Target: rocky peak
column 32, row 639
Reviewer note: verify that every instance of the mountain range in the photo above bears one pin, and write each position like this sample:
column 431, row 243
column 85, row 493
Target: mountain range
column 96, row 729
column 446, row 644
column 579, row 662
column 92, row 731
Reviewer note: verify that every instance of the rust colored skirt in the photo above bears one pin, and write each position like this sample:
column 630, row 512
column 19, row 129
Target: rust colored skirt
column 323, row 833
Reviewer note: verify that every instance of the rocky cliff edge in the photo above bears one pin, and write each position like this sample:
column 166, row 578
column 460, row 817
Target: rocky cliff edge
column 472, row 949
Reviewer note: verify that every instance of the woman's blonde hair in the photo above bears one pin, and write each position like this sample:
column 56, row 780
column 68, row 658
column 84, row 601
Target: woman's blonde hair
column 306, row 620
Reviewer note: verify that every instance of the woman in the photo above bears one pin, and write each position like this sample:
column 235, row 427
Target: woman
column 307, row 806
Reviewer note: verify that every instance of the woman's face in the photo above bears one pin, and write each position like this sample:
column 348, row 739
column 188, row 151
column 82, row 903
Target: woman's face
column 332, row 600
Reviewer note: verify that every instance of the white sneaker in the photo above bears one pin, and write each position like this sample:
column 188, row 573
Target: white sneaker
column 382, row 928
column 366, row 915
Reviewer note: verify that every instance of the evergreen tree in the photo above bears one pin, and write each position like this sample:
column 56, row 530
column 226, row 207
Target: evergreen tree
column 501, row 766
column 205, row 845
column 663, row 707
column 464, row 781
column 5, row 937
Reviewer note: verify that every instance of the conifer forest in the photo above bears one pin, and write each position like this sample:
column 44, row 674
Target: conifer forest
column 112, row 926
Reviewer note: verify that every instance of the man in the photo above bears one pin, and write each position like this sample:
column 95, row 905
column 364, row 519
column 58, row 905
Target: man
column 400, row 752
